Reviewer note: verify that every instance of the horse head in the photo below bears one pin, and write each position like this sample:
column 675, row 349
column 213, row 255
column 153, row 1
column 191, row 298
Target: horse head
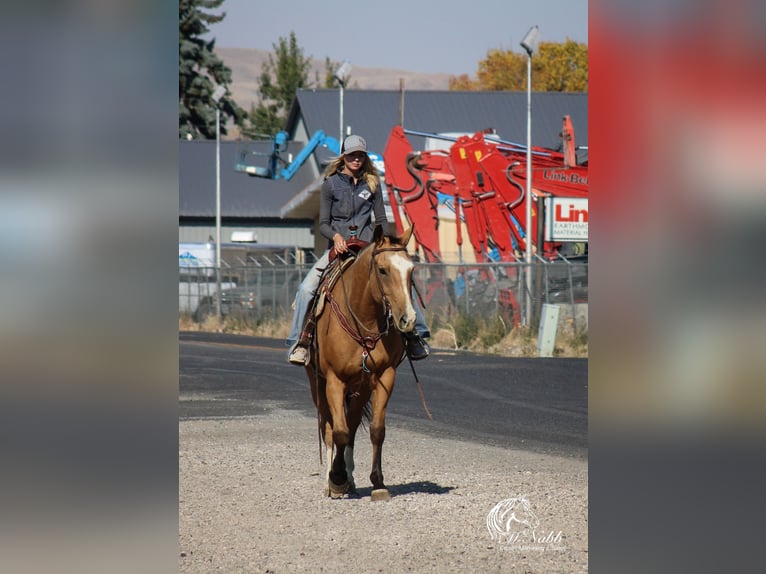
column 521, row 512
column 392, row 268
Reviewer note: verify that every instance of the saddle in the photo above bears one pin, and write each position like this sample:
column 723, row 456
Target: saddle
column 338, row 264
column 354, row 244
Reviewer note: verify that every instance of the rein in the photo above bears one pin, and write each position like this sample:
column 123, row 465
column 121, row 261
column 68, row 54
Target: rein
column 367, row 342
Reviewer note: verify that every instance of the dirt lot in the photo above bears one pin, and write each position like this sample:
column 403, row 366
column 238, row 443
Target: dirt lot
column 251, row 500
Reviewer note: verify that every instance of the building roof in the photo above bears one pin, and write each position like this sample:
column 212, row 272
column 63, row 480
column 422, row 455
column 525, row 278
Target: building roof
column 372, row 114
column 241, row 194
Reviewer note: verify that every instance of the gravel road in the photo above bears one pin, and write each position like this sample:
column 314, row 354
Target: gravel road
column 251, row 500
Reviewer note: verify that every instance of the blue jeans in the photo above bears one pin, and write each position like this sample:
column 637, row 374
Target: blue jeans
column 304, row 296
column 306, row 293
column 420, row 322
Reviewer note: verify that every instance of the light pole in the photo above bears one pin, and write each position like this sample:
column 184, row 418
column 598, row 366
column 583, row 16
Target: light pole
column 341, row 74
column 529, row 43
column 217, row 95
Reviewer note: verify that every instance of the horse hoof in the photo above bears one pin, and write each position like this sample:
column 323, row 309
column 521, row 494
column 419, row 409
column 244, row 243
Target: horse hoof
column 380, row 494
column 338, row 490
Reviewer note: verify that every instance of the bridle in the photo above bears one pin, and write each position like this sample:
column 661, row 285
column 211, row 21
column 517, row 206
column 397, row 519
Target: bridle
column 375, row 252
column 367, row 342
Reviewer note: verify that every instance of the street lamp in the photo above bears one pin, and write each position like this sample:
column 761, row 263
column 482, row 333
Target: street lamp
column 217, row 95
column 342, row 74
column 529, row 43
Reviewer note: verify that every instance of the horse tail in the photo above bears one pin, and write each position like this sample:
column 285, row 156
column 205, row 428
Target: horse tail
column 366, row 410
column 367, row 413
column 319, row 435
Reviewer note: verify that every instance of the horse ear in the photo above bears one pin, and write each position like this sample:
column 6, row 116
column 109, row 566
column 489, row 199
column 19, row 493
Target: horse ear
column 377, row 234
column 406, row 236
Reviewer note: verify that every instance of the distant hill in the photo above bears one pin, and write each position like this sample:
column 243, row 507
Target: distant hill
column 246, row 63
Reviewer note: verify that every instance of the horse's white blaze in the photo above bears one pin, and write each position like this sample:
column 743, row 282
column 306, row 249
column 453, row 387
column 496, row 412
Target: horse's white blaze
column 404, row 265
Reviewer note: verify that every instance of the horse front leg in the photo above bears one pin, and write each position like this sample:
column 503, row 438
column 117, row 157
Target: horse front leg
column 337, row 483
column 319, row 394
column 327, row 439
column 380, row 397
column 356, row 405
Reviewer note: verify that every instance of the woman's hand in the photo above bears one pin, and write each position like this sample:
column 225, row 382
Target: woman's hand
column 339, row 243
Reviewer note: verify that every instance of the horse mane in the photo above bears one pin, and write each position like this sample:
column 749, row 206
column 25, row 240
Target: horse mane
column 394, row 240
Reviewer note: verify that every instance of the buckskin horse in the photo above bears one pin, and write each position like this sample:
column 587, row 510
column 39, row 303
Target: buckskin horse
column 357, row 347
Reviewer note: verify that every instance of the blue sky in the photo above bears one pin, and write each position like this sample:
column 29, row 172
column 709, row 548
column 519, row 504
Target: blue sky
column 430, row 36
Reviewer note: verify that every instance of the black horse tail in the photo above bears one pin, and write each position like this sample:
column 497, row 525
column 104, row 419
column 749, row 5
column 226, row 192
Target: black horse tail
column 366, row 410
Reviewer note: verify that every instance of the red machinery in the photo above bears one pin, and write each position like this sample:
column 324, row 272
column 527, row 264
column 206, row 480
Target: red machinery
column 413, row 183
column 487, row 180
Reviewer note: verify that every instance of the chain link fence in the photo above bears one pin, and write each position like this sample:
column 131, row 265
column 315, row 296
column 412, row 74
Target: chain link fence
column 512, row 293
column 253, row 292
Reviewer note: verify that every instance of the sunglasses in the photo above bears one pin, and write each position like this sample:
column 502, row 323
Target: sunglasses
column 355, row 156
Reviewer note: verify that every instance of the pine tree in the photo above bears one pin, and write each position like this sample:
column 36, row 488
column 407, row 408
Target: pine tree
column 281, row 76
column 200, row 71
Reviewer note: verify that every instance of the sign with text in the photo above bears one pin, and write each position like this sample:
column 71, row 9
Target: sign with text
column 566, row 219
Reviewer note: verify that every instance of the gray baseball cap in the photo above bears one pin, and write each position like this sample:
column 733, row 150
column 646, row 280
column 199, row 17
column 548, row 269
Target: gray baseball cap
column 354, row 143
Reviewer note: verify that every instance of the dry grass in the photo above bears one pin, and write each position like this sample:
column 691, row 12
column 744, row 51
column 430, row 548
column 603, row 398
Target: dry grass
column 572, row 340
column 495, row 337
column 236, row 326
column 476, row 337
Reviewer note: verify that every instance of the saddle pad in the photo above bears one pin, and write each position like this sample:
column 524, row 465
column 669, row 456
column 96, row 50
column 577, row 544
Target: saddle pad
column 329, row 278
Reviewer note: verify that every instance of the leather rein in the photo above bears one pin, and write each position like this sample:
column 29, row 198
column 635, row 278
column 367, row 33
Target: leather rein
column 367, row 342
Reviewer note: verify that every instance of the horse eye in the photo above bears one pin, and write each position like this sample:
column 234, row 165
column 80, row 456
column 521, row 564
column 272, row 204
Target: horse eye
column 382, row 271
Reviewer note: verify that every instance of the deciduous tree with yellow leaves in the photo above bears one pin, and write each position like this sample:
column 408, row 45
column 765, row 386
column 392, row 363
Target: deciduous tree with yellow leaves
column 556, row 67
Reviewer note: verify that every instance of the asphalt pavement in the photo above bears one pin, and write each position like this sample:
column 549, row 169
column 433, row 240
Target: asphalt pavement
column 538, row 404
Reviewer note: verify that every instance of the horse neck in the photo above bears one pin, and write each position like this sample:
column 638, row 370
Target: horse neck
column 360, row 286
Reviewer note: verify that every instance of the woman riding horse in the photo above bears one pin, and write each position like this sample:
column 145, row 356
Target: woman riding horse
column 351, row 192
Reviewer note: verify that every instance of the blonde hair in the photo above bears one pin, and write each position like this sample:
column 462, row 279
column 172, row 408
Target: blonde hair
column 368, row 171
